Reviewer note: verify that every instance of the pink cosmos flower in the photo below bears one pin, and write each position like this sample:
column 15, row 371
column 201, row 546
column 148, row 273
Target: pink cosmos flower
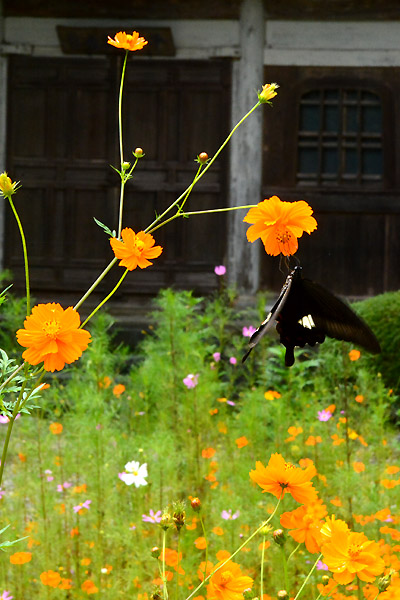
column 152, row 517
column 228, row 516
column 217, row 356
column 82, row 505
column 63, row 486
column 4, row 420
column 324, row 415
column 220, row 270
column 49, row 475
column 191, row 381
column 6, row 596
column 233, row 360
column 248, row 331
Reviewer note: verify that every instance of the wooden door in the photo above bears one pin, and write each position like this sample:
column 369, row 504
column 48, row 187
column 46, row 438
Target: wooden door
column 330, row 140
column 62, row 132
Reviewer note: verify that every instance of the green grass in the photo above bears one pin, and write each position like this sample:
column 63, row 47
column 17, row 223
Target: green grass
column 159, row 421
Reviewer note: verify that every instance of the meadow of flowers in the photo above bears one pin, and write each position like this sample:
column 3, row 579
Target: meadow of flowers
column 174, row 470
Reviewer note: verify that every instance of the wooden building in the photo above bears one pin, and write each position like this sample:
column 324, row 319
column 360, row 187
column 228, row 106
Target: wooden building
column 332, row 138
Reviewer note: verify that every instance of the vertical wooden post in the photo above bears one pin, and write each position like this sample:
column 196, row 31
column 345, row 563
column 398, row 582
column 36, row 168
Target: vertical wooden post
column 246, row 147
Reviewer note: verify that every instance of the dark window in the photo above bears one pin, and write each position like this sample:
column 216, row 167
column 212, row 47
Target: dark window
column 339, row 138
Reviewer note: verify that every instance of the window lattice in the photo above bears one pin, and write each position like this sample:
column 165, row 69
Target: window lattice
column 340, row 138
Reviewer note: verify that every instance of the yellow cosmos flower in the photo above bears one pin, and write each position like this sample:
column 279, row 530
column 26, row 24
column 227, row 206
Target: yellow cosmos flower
column 127, row 42
column 348, row 554
column 279, row 224
column 280, row 477
column 52, row 335
column 228, row 583
column 135, row 249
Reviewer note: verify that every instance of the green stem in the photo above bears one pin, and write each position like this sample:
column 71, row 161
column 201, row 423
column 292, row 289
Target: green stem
column 121, row 87
column 285, row 570
column 206, row 553
column 105, row 299
column 257, row 531
column 151, row 226
column 307, row 578
column 294, row 551
column 198, row 212
column 262, row 570
column 359, row 591
column 11, row 424
column 121, row 149
column 165, row 591
column 177, row 566
column 25, row 253
column 11, row 377
column 95, row 284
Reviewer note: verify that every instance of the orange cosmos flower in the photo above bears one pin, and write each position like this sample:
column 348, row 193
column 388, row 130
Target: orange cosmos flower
column 52, row 335
column 20, row 558
column 241, row 442
column 228, row 583
column 348, row 554
column 280, row 478
column 127, row 42
column 50, row 578
column 358, row 466
column 56, row 428
column 354, row 355
column 118, row 389
column 200, row 543
column 135, row 249
column 305, row 523
column 89, row 587
column 279, row 224
column 208, row 452
column 204, row 569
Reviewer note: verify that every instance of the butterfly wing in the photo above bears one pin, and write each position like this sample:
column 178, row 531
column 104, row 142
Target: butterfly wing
column 335, row 318
column 306, row 312
column 270, row 319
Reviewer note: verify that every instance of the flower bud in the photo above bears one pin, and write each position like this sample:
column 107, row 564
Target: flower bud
column 125, row 165
column 282, row 595
column 202, row 158
column 325, row 579
column 7, row 187
column 248, row 594
column 268, row 92
column 138, row 153
column 266, row 530
column 179, row 514
column 279, row 537
column 155, row 552
column 166, row 521
column 384, row 582
column 196, row 504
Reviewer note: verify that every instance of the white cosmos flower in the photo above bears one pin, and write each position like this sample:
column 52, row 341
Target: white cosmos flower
column 134, row 473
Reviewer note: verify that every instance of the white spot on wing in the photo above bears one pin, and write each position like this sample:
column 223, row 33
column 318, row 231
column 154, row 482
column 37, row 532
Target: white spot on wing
column 307, row 322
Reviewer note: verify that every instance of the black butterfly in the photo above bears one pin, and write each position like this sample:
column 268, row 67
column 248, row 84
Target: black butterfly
column 305, row 313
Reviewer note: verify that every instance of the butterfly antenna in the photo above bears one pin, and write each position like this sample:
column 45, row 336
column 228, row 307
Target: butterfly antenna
column 284, row 261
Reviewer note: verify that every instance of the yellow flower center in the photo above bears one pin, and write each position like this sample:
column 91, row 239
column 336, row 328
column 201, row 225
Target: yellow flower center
column 354, row 550
column 139, row 244
column 284, row 236
column 289, row 466
column 51, row 329
column 226, row 577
